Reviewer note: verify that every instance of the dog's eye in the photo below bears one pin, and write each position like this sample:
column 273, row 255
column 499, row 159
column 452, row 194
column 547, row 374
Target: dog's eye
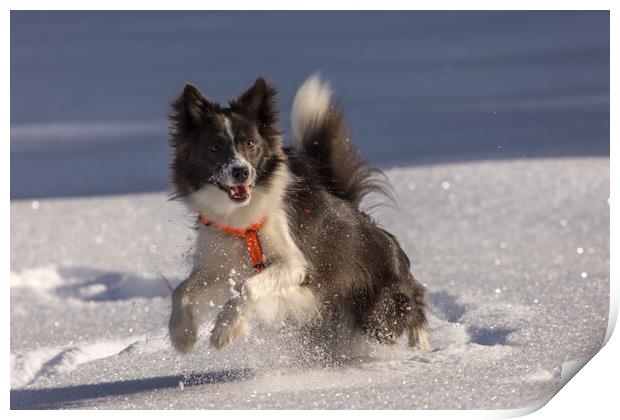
column 216, row 148
column 249, row 143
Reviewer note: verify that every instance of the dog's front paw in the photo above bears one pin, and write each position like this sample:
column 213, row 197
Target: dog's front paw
column 183, row 329
column 230, row 325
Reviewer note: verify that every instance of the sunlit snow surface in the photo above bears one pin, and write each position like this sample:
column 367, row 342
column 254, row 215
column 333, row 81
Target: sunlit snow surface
column 501, row 246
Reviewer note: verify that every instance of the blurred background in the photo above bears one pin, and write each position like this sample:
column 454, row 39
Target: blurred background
column 90, row 90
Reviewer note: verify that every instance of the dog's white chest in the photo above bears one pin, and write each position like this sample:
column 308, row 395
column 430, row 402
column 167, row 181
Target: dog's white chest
column 223, row 256
column 276, row 291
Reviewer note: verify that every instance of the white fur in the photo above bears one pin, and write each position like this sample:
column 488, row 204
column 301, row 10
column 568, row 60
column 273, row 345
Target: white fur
column 229, row 130
column 274, row 294
column 215, row 204
column 311, row 103
column 277, row 292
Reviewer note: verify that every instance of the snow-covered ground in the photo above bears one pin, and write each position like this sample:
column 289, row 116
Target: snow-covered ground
column 515, row 255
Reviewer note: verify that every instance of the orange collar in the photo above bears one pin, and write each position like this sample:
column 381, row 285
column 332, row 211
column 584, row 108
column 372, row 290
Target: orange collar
column 250, row 234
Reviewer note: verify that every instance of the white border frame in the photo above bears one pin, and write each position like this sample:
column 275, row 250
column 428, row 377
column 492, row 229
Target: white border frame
column 593, row 393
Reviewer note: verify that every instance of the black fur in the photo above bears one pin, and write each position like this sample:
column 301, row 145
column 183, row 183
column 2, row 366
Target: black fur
column 339, row 166
column 357, row 267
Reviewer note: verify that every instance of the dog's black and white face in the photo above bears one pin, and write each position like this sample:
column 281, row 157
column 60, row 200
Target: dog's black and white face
column 222, row 155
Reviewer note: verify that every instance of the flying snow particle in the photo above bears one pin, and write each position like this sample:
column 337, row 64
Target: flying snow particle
column 498, row 291
column 498, row 262
column 580, row 250
column 584, row 275
column 56, row 324
column 411, row 186
column 445, row 185
column 35, row 205
column 232, row 283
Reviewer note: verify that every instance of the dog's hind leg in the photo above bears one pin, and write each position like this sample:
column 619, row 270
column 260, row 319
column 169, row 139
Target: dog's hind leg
column 416, row 317
column 396, row 310
column 383, row 323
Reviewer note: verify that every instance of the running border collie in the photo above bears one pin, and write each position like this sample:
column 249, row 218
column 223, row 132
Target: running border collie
column 281, row 236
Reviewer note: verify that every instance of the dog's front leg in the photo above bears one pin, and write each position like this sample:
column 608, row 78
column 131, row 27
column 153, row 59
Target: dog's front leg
column 233, row 321
column 187, row 299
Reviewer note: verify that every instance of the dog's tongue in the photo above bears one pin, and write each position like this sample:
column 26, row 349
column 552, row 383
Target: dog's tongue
column 239, row 190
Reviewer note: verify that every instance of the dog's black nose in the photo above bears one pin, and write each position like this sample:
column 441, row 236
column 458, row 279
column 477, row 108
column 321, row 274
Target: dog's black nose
column 240, row 173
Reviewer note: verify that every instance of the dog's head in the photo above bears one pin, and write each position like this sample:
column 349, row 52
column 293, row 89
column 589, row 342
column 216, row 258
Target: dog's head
column 224, row 151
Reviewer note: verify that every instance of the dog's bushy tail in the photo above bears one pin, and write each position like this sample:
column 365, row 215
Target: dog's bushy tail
column 320, row 132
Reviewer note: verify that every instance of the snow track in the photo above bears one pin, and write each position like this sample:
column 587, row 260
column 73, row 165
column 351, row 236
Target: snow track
column 44, row 363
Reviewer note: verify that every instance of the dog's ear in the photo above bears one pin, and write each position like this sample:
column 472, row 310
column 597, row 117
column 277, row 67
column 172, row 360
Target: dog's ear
column 258, row 103
column 190, row 109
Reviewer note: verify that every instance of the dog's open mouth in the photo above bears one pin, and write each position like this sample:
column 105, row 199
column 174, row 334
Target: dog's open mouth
column 238, row 193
